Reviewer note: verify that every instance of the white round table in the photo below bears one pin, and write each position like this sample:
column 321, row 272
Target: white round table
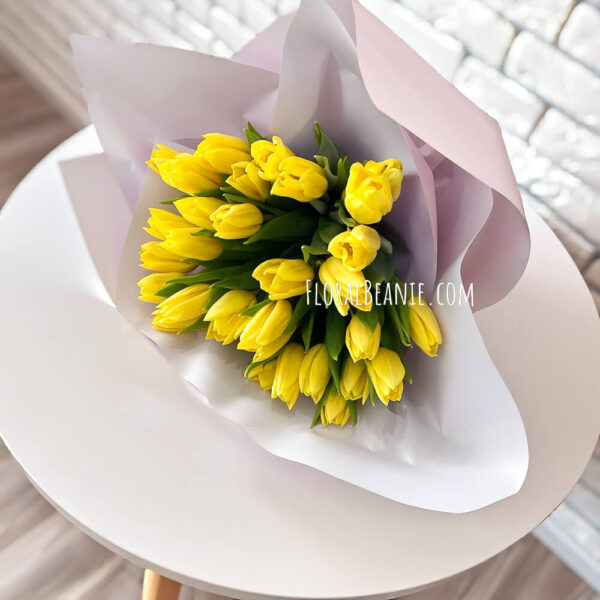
column 169, row 484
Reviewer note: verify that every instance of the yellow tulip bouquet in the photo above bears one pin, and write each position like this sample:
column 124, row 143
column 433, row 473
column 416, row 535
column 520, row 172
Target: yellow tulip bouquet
column 283, row 255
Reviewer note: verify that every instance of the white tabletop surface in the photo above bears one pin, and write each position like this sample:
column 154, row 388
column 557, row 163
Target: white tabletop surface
column 165, row 481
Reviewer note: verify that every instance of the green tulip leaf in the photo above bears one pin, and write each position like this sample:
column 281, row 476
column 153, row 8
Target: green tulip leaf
column 335, row 332
column 351, row 404
column 197, row 326
column 307, row 329
column 252, row 310
column 240, row 281
column 299, row 311
column 326, row 146
column 296, row 224
column 252, row 134
column 308, row 251
column 334, row 367
column 328, row 229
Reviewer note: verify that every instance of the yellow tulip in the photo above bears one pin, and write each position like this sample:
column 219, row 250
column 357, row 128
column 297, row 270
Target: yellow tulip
column 424, row 328
column 315, row 372
column 182, row 309
column 226, row 323
column 150, row 284
column 283, row 277
column 156, row 258
column 220, row 152
column 285, row 383
column 199, row 247
column 335, row 410
column 268, row 350
column 264, row 374
column 347, row 287
column 188, row 173
column 162, row 221
column 356, row 248
column 387, row 373
column 268, row 155
column 197, row 210
column 160, row 153
column 266, row 326
column 245, row 178
column 236, row 221
column 354, row 381
column 362, row 343
column 300, row 179
column 372, row 188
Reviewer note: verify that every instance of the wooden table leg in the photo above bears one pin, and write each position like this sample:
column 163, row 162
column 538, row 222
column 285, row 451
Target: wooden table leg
column 157, row 587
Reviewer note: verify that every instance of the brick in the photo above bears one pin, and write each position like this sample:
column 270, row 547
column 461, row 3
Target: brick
column 129, row 10
column 81, row 20
column 231, row 6
column 257, row 15
column 228, row 28
column 199, row 9
column 220, row 48
column 580, row 36
column 287, row 6
column 163, row 10
column 577, row 246
column 124, row 32
column 515, row 108
column 592, row 274
column 543, row 17
column 429, row 9
column 193, row 32
column 552, row 75
column 99, row 12
column 484, row 33
column 158, row 33
column 567, row 195
column 440, row 50
column 576, row 149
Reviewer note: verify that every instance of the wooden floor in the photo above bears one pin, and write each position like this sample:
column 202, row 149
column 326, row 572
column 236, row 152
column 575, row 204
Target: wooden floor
column 43, row 557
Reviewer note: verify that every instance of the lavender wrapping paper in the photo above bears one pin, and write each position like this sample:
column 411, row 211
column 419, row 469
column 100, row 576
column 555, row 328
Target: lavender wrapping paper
column 456, row 442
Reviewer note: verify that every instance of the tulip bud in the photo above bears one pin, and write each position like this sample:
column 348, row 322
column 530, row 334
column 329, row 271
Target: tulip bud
column 156, row 258
column 300, row 179
column 245, row 178
column 219, row 151
column 226, row 324
column 354, row 381
column 268, row 155
column 197, row 210
column 356, row 248
column 236, row 221
column 268, row 350
column 347, row 287
column 182, row 309
column 162, row 221
column 424, row 328
column 315, row 372
column 283, row 277
column 199, row 247
column 189, row 174
column 362, row 343
column 264, row 374
column 387, row 373
column 335, row 410
column 287, row 368
column 150, row 284
column 266, row 325
column 372, row 188
column 160, row 153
